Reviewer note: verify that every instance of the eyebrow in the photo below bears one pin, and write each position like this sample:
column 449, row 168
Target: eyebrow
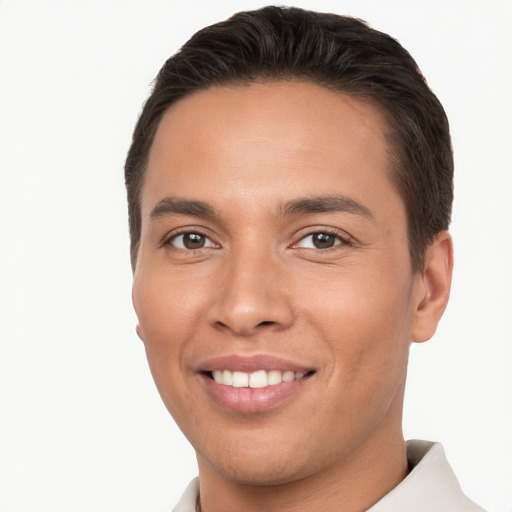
column 324, row 204
column 304, row 205
column 180, row 206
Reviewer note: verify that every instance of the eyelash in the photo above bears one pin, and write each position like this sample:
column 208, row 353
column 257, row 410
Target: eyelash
column 167, row 242
column 342, row 240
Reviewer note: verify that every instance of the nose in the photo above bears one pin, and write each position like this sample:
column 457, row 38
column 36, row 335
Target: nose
column 251, row 296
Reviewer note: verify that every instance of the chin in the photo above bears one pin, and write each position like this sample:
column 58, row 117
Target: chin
column 256, row 464
column 261, row 473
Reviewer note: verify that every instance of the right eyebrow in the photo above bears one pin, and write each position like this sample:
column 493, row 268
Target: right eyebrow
column 182, row 206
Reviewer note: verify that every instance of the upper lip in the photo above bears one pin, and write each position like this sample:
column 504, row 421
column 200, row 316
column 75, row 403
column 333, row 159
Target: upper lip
column 252, row 363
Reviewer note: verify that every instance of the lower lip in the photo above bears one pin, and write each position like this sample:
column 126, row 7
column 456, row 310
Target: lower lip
column 252, row 400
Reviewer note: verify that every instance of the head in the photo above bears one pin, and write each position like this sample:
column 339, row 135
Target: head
column 338, row 53
column 289, row 185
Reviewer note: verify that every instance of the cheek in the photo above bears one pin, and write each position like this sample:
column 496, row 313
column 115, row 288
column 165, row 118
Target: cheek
column 167, row 310
column 166, row 319
column 365, row 320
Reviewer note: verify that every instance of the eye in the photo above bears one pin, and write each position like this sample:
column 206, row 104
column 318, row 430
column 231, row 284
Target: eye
column 190, row 241
column 321, row 240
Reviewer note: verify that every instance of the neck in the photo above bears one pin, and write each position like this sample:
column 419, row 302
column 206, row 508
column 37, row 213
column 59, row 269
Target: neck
column 351, row 485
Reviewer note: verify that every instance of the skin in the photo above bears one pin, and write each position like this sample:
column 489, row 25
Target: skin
column 260, row 286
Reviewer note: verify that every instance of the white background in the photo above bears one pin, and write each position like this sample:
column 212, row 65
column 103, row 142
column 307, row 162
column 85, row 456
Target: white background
column 81, row 425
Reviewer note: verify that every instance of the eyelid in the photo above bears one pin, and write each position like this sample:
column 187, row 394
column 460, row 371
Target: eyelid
column 173, row 235
column 343, row 238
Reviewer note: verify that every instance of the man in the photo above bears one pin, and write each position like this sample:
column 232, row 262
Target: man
column 290, row 189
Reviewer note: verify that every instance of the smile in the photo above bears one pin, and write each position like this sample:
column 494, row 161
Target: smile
column 254, row 384
column 257, row 379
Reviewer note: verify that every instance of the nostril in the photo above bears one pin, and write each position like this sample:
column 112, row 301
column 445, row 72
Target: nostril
column 266, row 322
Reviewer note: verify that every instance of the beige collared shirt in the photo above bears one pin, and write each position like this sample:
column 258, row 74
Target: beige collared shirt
column 431, row 486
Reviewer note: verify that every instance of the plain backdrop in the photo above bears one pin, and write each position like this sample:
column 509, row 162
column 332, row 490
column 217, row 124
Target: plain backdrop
column 81, row 425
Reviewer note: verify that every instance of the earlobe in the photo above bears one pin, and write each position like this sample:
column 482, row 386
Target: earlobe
column 434, row 293
column 138, row 330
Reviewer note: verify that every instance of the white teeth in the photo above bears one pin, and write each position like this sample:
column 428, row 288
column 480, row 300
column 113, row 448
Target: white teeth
column 288, row 376
column 240, row 380
column 274, row 377
column 257, row 379
column 227, row 377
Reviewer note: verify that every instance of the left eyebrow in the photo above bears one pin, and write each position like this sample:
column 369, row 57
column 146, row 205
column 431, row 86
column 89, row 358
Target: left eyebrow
column 324, row 204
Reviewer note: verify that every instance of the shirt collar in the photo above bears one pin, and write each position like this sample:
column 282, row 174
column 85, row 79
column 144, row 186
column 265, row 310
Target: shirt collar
column 430, row 485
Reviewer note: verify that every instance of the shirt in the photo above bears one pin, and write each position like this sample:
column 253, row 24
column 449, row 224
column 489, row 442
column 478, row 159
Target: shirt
column 430, row 486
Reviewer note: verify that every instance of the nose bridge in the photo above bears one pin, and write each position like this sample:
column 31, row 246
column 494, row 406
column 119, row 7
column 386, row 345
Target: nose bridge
column 251, row 293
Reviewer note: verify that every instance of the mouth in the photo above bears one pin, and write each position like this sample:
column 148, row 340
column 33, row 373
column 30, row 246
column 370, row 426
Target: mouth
column 254, row 384
column 257, row 379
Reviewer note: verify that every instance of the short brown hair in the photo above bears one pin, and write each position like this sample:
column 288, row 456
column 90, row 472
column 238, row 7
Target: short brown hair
column 340, row 53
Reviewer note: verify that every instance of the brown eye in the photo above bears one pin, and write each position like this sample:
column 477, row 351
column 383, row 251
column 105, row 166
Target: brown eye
column 323, row 240
column 191, row 241
column 320, row 240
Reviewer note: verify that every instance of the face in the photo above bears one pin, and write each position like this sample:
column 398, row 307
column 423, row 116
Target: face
column 273, row 286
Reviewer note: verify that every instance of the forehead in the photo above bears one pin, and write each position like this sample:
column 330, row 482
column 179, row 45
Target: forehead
column 253, row 139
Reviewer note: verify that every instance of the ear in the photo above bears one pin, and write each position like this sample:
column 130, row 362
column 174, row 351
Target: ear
column 138, row 329
column 434, row 288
